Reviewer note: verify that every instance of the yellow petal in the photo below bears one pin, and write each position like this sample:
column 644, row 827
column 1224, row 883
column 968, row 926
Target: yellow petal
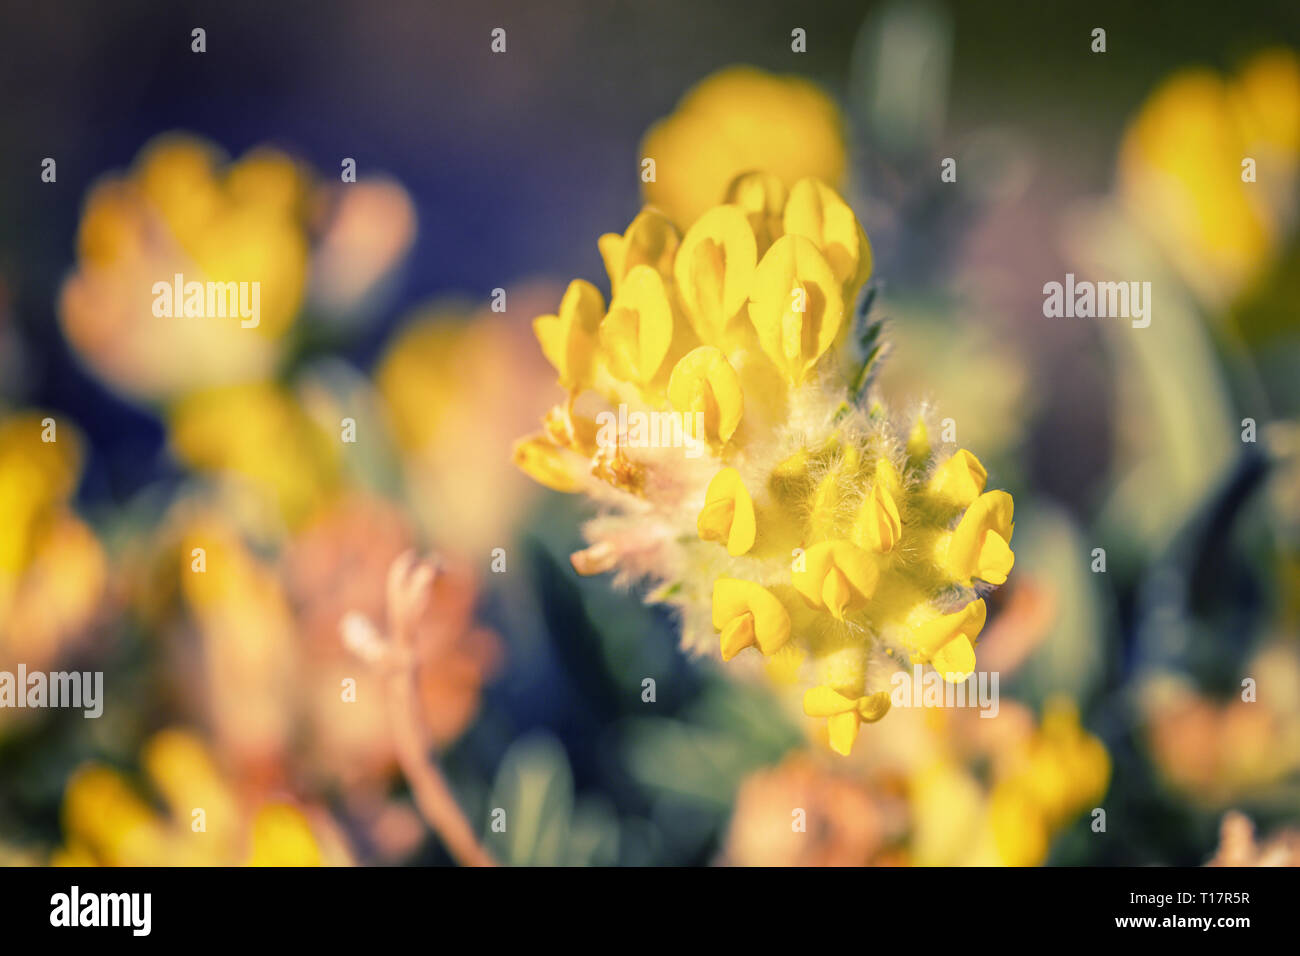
column 715, row 518
column 728, row 513
column 980, row 546
column 843, row 731
column 639, row 327
column 761, row 196
column 816, row 212
column 960, row 479
column 282, row 837
column 548, row 465
column 568, row 339
column 844, row 714
column 796, row 305
column 836, row 593
column 825, row 702
column 704, row 382
column 878, row 525
column 651, row 240
column 851, row 586
column 947, row 641
column 714, row 269
column 874, row 706
column 733, row 598
column 738, row 634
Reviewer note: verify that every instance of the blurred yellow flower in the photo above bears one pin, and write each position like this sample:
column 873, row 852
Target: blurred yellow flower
column 1041, row 786
column 258, row 438
column 1183, row 170
column 53, row 572
column 735, row 121
column 263, row 221
column 457, row 386
column 1042, row 778
column 203, row 821
column 247, row 648
column 183, row 210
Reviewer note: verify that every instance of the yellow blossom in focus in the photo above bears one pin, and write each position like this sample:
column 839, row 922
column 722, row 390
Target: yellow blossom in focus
column 732, row 122
column 770, row 499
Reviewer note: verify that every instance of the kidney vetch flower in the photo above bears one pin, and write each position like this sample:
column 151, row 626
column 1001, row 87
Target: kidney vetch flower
column 720, row 413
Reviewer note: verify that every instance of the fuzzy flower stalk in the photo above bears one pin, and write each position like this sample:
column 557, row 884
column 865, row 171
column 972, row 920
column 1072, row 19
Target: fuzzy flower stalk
column 720, row 415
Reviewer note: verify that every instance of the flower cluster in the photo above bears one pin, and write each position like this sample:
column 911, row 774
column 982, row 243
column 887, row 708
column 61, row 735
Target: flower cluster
column 818, row 529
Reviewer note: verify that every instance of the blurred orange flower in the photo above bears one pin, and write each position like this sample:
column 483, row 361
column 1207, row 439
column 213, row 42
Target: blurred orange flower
column 805, row 813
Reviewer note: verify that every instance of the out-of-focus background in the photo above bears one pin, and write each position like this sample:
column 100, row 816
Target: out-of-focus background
column 1175, row 448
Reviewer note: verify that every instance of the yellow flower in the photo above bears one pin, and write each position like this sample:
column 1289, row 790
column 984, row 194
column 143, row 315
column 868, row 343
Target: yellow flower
column 638, row 330
column 192, row 268
column 203, row 822
column 1054, row 775
column 815, row 212
column 845, row 714
column 878, row 525
column 53, row 570
column 796, row 306
column 440, row 385
column 728, row 513
column 651, row 240
column 748, row 615
column 260, row 436
column 245, row 630
column 960, row 479
column 836, row 576
column 556, row 468
column 828, row 535
column 981, row 545
column 1181, row 170
column 282, row 837
column 569, row 338
column 184, row 210
column 714, row 269
column 948, row 640
column 735, row 121
column 704, row 383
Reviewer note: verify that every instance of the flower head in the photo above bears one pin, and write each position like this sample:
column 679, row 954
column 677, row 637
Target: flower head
column 736, row 120
column 719, row 411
